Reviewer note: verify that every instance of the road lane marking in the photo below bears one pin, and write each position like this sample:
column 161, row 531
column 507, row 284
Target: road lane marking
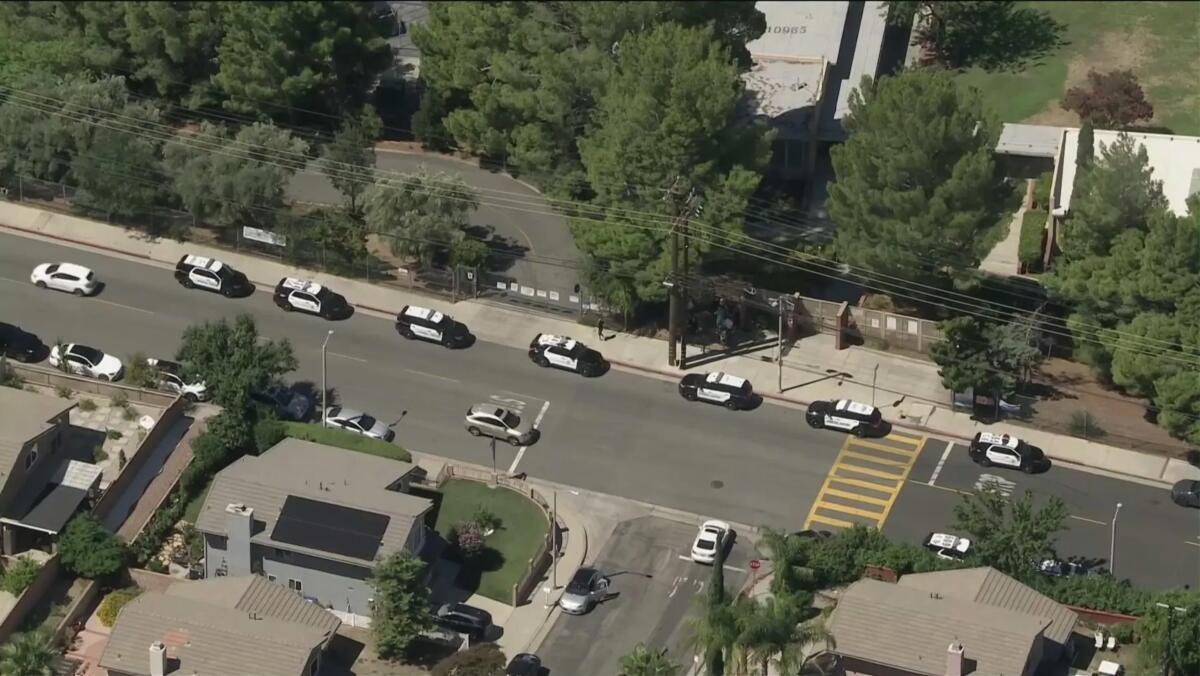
column 1084, row 518
column 855, row 496
column 876, row 459
column 871, row 472
column 828, row 521
column 839, row 507
column 873, row 500
column 427, row 375
column 1194, row 544
column 127, row 307
column 863, row 443
column 880, row 488
column 938, row 470
column 906, row 438
column 726, row 566
column 940, row 488
column 346, row 356
column 537, row 423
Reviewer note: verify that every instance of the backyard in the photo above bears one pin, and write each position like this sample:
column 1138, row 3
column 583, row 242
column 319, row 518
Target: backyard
column 523, row 528
column 1156, row 40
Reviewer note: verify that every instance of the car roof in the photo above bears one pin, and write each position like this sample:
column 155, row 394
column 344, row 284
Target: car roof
column 164, row 365
column 584, row 574
column 948, row 541
column 348, row 413
column 1006, row 440
column 724, row 379
column 854, row 407
column 203, row 262
column 73, row 269
column 488, row 409
column 423, row 313
column 297, row 284
column 551, row 339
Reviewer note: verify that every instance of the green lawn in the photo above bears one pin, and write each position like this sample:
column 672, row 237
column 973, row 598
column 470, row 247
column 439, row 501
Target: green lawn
column 1156, row 40
column 347, row 440
column 523, row 527
column 191, row 512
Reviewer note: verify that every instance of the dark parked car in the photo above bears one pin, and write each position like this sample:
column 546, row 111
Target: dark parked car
column 524, row 664
column 813, row 534
column 469, row 620
column 1186, row 493
column 287, row 404
column 20, row 345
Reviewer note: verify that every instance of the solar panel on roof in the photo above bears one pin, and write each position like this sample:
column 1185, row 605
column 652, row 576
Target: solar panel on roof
column 330, row 528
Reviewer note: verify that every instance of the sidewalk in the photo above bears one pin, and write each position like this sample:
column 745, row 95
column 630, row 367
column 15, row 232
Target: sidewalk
column 908, row 390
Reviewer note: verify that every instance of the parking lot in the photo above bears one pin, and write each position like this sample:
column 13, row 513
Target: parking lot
column 655, row 585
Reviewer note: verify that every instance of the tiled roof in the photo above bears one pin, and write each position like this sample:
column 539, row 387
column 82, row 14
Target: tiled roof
column 24, row 416
column 259, row 596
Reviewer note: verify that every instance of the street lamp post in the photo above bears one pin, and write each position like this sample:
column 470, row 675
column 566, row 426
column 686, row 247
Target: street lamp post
column 1167, row 657
column 324, row 384
column 1112, row 543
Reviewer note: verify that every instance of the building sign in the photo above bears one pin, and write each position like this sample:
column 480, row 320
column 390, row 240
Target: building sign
column 787, row 30
column 264, row 236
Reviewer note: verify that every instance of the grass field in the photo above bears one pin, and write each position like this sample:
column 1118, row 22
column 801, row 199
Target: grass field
column 522, row 529
column 1158, row 41
column 348, row 440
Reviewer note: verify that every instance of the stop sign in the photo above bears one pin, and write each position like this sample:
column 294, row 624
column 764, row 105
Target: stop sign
column 755, row 564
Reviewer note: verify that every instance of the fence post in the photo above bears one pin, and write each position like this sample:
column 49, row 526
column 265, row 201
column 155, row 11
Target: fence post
column 20, row 187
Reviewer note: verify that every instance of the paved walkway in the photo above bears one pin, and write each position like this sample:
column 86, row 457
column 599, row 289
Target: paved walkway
column 908, row 390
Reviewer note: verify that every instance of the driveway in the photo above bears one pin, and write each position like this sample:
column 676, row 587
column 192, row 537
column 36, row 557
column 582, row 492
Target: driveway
column 656, row 588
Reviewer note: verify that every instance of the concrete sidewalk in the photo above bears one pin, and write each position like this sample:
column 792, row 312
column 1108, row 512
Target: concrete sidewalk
column 908, row 390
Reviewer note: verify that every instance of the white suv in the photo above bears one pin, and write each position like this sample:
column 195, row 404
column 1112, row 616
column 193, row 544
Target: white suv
column 67, row 277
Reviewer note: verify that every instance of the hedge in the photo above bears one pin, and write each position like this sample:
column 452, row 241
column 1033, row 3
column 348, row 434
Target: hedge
column 112, row 604
column 347, row 440
column 1033, row 237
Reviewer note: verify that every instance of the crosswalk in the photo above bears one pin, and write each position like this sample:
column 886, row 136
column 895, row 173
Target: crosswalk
column 865, row 480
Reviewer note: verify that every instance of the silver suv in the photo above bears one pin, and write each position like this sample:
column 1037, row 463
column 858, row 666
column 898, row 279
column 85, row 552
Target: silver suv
column 500, row 423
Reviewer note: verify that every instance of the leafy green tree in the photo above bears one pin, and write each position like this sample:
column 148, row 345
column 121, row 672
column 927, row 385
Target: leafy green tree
column 1085, row 155
column 425, row 212
column 89, row 550
column 401, row 609
column 172, row 47
column 278, row 58
column 19, row 576
column 481, row 659
column 1169, row 638
column 349, row 159
column 338, row 232
column 917, row 188
column 1011, row 535
column 267, row 433
column 232, row 360
column 1177, row 397
column 646, row 662
column 116, row 170
column 31, row 45
column 992, row 35
column 662, row 124
column 469, row 252
column 962, row 356
column 32, row 653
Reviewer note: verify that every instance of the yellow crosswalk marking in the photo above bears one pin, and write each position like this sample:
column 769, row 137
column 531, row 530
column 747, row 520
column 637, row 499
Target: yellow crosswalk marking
column 839, row 507
column 848, row 481
column 906, row 438
column 859, row 483
column 828, row 521
column 875, row 459
column 870, row 472
column 906, row 452
column 857, row 497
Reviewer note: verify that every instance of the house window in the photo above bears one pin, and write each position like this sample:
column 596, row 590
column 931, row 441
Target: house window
column 31, row 458
column 294, row 585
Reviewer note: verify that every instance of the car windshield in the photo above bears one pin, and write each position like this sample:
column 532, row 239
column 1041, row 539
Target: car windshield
column 366, row 422
column 510, row 419
column 327, row 296
column 581, row 583
column 88, row 353
column 705, row 544
column 52, row 269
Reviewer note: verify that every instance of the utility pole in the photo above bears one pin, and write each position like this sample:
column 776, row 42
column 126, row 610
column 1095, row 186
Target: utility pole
column 673, row 283
column 1167, row 656
column 1112, row 543
column 782, row 304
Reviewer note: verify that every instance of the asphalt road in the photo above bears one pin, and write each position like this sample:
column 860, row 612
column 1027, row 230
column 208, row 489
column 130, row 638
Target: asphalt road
column 514, row 218
column 657, row 587
column 620, row 434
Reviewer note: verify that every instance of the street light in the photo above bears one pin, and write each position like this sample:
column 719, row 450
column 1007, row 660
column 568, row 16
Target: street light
column 1171, row 610
column 324, row 386
column 1112, row 543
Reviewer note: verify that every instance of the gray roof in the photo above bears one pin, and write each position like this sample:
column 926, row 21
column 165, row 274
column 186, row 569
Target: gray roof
column 203, row 639
column 1031, row 140
column 911, row 629
column 257, row 595
column 24, row 416
column 317, row 472
column 992, row 588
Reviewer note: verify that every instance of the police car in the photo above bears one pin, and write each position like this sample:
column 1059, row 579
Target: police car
column 846, row 415
column 210, row 274
column 1005, row 450
column 946, row 546
column 728, row 390
column 565, row 353
column 420, row 322
column 308, row 296
column 171, row 378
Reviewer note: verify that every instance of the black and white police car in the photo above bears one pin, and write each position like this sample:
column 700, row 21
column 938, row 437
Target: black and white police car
column 727, row 390
column 422, row 323
column 846, row 415
column 171, row 378
column 308, row 296
column 565, row 353
column 1005, row 450
column 210, row 274
column 947, row 546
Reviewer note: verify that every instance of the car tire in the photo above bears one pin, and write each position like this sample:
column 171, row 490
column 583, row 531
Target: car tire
column 409, row 335
column 78, row 293
column 731, row 405
column 541, row 361
column 227, row 292
column 474, row 431
column 815, row 423
column 1028, row 469
column 690, row 395
column 191, row 398
column 287, row 307
column 187, row 283
column 110, row 378
column 983, row 461
column 40, row 284
column 860, row 431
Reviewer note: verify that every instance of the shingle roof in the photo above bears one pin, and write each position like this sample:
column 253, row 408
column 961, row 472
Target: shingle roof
column 324, row 473
column 257, row 595
column 207, row 640
column 911, row 629
column 992, row 588
column 24, row 416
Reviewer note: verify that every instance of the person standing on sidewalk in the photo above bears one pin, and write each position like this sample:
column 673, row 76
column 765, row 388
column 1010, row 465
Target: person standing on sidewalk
column 600, row 329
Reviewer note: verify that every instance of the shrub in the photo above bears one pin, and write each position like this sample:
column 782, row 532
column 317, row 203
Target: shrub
column 139, row 373
column 486, row 518
column 120, row 399
column 468, row 537
column 128, row 412
column 88, row 550
column 481, row 658
column 1033, row 237
column 113, row 434
column 99, row 454
column 1084, row 424
column 87, row 405
column 63, row 391
column 1041, row 191
column 9, row 377
column 267, row 433
column 155, row 565
column 112, row 604
column 347, row 440
column 468, row 252
column 19, row 576
column 880, row 301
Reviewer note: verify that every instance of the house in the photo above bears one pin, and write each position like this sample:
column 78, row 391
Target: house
column 951, row 623
column 40, row 486
column 312, row 518
column 234, row 626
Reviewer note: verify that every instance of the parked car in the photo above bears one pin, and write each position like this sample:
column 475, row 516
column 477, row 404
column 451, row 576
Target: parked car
column 586, row 588
column 1186, row 493
column 465, row 619
column 66, row 277
column 946, row 546
column 21, row 345
column 422, row 323
column 1004, row 450
column 849, row 416
column 342, row 418
column 500, row 423
column 813, row 534
column 286, row 403
column 712, row 535
column 565, row 353
column 87, row 361
column 171, row 378
column 524, row 664
column 308, row 296
column 1068, row 568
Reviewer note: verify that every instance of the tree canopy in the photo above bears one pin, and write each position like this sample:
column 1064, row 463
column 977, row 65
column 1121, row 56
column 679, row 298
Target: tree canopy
column 232, row 360
column 1011, row 535
column 1112, row 100
column 425, row 211
column 1169, row 638
column 990, row 358
column 643, row 661
column 917, row 189
column 32, row 653
column 89, row 550
column 989, row 34
column 401, row 608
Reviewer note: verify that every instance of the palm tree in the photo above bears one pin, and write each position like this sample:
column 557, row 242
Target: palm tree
column 645, row 662
column 30, row 654
column 789, row 561
column 714, row 628
column 772, row 631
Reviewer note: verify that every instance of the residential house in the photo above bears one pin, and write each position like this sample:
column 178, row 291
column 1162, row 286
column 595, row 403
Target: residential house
column 40, row 487
column 314, row 519
column 236, row 626
column 951, row 623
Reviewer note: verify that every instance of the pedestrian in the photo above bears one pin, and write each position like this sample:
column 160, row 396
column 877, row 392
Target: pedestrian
column 600, row 328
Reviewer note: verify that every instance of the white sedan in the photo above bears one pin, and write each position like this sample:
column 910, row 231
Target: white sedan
column 67, row 277
column 339, row 417
column 712, row 533
column 86, row 361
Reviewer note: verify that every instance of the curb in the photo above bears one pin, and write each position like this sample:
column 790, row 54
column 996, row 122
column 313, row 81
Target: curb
column 77, row 242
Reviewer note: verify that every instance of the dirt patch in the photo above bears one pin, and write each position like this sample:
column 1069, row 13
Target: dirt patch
column 1124, row 50
column 1069, row 388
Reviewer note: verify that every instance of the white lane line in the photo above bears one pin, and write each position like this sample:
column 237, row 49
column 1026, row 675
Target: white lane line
column 938, row 470
column 675, row 587
column 428, row 375
column 1087, row 520
column 127, row 307
column 346, row 356
column 537, row 422
column 726, row 566
column 14, row 281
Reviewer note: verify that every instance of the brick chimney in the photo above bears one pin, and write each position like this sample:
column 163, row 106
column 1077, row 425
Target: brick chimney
column 954, row 659
column 158, row 659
